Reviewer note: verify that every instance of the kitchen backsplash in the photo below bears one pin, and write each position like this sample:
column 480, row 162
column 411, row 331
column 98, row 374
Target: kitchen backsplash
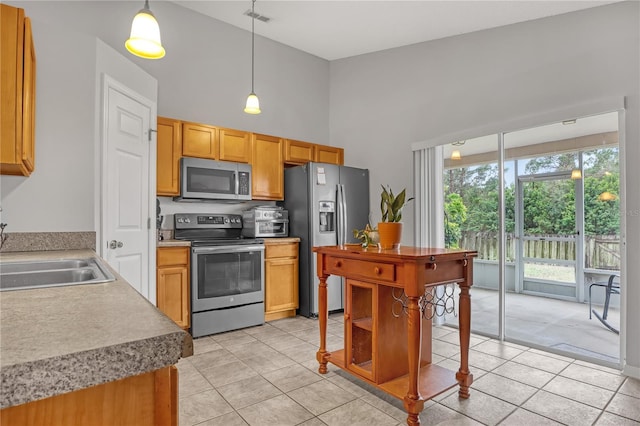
column 168, row 208
column 37, row 241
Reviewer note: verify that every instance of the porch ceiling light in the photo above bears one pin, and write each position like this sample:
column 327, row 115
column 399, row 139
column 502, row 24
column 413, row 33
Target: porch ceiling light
column 576, row 174
column 607, row 196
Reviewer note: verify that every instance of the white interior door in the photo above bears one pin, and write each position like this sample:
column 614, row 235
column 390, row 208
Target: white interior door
column 126, row 185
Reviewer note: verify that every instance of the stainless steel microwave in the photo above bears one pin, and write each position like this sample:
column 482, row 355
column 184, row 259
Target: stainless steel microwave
column 202, row 179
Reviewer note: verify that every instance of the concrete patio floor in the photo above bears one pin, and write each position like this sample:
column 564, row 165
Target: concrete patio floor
column 556, row 325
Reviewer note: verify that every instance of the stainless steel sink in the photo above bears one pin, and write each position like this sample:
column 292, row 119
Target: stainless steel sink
column 39, row 274
column 45, row 265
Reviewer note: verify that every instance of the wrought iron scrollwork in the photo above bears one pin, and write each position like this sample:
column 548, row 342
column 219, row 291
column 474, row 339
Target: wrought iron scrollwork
column 431, row 303
column 434, row 304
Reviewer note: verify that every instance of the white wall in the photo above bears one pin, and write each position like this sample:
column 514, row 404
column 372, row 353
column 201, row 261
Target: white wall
column 383, row 102
column 206, row 73
column 205, row 77
column 58, row 196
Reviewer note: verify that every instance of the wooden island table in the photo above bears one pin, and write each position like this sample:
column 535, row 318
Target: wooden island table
column 390, row 300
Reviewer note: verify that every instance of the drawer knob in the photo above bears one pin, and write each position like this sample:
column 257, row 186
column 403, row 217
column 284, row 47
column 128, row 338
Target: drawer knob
column 338, row 263
column 377, row 270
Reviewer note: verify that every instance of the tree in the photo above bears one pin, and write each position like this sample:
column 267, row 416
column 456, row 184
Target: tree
column 455, row 214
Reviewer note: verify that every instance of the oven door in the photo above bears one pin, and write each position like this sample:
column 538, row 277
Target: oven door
column 226, row 276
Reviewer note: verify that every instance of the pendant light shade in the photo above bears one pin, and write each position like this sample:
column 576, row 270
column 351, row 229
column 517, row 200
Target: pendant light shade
column 145, row 35
column 455, row 155
column 607, row 196
column 253, row 103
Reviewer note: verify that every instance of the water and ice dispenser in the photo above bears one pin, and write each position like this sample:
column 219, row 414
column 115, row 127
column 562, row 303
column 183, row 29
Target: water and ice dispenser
column 326, row 216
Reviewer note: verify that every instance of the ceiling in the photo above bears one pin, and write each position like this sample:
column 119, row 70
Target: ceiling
column 334, row 29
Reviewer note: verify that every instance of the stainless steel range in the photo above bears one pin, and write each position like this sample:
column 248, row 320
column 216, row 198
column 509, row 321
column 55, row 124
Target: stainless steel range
column 227, row 272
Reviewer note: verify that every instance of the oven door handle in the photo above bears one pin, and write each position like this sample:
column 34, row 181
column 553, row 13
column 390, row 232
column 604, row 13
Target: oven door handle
column 227, row 249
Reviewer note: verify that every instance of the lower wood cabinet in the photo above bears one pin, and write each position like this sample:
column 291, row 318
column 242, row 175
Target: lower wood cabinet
column 147, row 399
column 376, row 332
column 281, row 279
column 172, row 281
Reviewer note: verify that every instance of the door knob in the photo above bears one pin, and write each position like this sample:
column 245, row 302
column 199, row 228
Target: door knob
column 113, row 244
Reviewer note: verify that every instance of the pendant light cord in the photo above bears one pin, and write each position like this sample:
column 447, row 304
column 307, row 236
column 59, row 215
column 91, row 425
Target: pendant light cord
column 253, row 36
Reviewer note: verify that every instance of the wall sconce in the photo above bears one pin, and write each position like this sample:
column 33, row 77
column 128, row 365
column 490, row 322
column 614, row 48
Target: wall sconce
column 144, row 40
column 576, row 174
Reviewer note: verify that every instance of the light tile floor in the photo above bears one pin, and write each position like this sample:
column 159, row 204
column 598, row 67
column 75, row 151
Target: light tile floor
column 267, row 375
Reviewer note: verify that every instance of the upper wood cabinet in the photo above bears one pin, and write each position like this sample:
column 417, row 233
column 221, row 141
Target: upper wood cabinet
column 235, row 145
column 18, row 90
column 298, row 152
column 329, row 154
column 168, row 158
column 267, row 168
column 199, row 140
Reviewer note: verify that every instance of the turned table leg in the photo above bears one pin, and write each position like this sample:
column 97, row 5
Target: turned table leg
column 463, row 376
column 323, row 315
column 413, row 402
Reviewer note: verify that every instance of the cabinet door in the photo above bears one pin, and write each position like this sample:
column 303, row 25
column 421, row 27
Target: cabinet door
column 235, row 145
column 29, row 100
column 281, row 288
column 267, row 168
column 173, row 284
column 199, row 141
column 329, row 154
column 168, row 158
column 360, row 328
column 18, row 105
column 297, row 152
column 173, row 293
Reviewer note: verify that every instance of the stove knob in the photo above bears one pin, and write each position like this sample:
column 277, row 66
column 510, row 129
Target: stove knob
column 226, row 220
column 237, row 220
column 180, row 220
column 187, row 220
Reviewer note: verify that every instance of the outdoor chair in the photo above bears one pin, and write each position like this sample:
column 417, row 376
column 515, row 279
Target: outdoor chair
column 611, row 286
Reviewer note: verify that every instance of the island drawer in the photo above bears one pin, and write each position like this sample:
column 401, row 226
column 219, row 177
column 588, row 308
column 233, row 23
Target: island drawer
column 373, row 270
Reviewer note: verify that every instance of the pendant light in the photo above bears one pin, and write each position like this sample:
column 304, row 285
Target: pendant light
column 576, row 174
column 455, row 155
column 145, row 35
column 253, row 103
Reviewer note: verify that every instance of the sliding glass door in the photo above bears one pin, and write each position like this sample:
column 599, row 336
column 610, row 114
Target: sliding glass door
column 545, row 238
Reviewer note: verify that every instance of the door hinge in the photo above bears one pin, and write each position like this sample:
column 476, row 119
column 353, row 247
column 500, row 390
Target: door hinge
column 151, row 131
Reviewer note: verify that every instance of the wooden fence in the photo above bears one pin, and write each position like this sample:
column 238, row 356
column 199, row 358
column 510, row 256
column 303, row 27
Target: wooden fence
column 601, row 251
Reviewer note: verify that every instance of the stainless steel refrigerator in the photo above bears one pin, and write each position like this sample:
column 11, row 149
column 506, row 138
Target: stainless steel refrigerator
column 325, row 203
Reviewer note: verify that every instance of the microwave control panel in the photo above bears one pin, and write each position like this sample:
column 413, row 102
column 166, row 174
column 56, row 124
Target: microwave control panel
column 244, row 183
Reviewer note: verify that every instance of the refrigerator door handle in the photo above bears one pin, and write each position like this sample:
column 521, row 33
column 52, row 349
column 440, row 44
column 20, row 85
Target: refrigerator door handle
column 339, row 218
column 345, row 237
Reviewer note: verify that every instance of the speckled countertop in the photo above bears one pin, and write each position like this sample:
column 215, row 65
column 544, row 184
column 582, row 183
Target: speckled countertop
column 61, row 339
column 283, row 240
column 173, row 243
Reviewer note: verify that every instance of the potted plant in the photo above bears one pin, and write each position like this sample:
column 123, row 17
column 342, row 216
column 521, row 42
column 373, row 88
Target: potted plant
column 368, row 236
column 390, row 228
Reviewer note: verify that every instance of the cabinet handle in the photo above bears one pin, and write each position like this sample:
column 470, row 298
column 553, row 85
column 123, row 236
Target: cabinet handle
column 338, row 264
column 377, row 270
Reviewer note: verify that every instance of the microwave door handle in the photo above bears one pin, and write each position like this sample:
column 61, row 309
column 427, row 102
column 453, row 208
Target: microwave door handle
column 237, row 182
